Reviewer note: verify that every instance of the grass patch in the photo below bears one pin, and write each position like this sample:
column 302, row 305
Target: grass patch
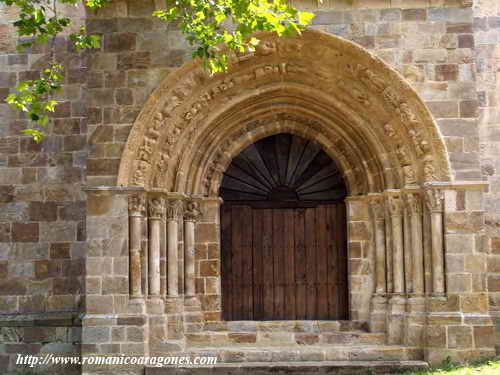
column 489, row 366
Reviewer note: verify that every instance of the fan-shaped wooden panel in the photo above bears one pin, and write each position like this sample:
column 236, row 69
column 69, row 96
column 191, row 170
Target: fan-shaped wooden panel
column 283, row 168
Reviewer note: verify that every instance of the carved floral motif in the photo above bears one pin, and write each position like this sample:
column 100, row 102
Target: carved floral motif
column 391, row 97
column 174, row 209
column 389, row 131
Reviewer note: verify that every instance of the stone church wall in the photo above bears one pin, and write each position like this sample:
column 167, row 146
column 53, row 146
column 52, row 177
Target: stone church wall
column 42, row 207
column 487, row 59
column 447, row 50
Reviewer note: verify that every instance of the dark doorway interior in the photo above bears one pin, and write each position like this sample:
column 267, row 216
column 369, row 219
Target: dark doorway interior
column 283, row 233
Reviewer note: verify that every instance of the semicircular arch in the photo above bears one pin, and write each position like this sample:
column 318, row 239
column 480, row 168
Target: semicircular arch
column 315, row 85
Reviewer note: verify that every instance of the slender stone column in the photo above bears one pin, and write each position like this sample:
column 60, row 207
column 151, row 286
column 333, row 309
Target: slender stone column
column 378, row 303
column 163, row 257
column 434, row 201
column 407, row 238
column 192, row 214
column 174, row 210
column 415, row 207
column 156, row 212
column 377, row 210
column 136, row 206
column 396, row 210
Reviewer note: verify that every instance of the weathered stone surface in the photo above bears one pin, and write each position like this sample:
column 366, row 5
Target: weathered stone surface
column 25, row 232
column 447, row 53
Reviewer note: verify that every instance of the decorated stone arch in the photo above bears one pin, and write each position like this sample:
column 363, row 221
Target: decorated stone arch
column 365, row 117
column 363, row 112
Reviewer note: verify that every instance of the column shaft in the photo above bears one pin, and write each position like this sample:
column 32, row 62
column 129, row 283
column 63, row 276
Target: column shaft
column 174, row 211
column 173, row 261
column 189, row 261
column 437, row 253
column 379, row 232
column 154, row 257
column 136, row 205
column 156, row 212
column 415, row 206
column 434, row 200
column 389, row 253
column 398, row 261
column 396, row 210
column 408, row 256
column 135, row 255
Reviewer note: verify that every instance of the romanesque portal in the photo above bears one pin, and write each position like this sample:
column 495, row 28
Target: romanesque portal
column 213, row 206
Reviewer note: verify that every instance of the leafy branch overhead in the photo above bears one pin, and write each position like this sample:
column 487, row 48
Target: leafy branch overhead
column 208, row 26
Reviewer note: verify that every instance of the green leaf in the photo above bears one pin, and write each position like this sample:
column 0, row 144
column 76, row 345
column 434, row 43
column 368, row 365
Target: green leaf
column 206, row 24
column 305, row 18
column 36, row 134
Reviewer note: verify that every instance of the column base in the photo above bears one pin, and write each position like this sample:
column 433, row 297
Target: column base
column 174, row 305
column 395, row 319
column 192, row 304
column 378, row 313
column 155, row 305
column 137, row 305
column 415, row 320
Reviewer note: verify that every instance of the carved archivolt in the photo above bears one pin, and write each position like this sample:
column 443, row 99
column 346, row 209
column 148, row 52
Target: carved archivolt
column 374, row 124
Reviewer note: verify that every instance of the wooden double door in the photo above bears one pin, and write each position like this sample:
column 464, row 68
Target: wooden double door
column 284, row 263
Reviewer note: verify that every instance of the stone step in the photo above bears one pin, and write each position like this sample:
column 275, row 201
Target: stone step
column 311, row 326
column 282, row 368
column 309, row 353
column 279, row 338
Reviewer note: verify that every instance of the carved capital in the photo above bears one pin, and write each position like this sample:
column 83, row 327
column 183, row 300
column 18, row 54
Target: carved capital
column 395, row 205
column 192, row 211
column 156, row 208
column 136, row 204
column 174, row 209
column 414, row 203
column 434, row 200
column 377, row 209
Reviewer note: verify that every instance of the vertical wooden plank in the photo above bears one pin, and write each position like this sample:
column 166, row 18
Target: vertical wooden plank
column 279, row 264
column 237, row 247
column 227, row 303
column 267, row 259
column 289, row 270
column 258, row 264
column 300, row 262
column 247, row 263
column 333, row 262
column 343, row 276
column 310, row 242
column 322, row 269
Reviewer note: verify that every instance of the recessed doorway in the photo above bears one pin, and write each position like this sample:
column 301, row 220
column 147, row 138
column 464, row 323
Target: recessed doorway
column 283, row 233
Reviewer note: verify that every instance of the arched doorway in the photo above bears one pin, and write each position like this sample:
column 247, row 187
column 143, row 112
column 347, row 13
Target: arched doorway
column 403, row 207
column 283, row 233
